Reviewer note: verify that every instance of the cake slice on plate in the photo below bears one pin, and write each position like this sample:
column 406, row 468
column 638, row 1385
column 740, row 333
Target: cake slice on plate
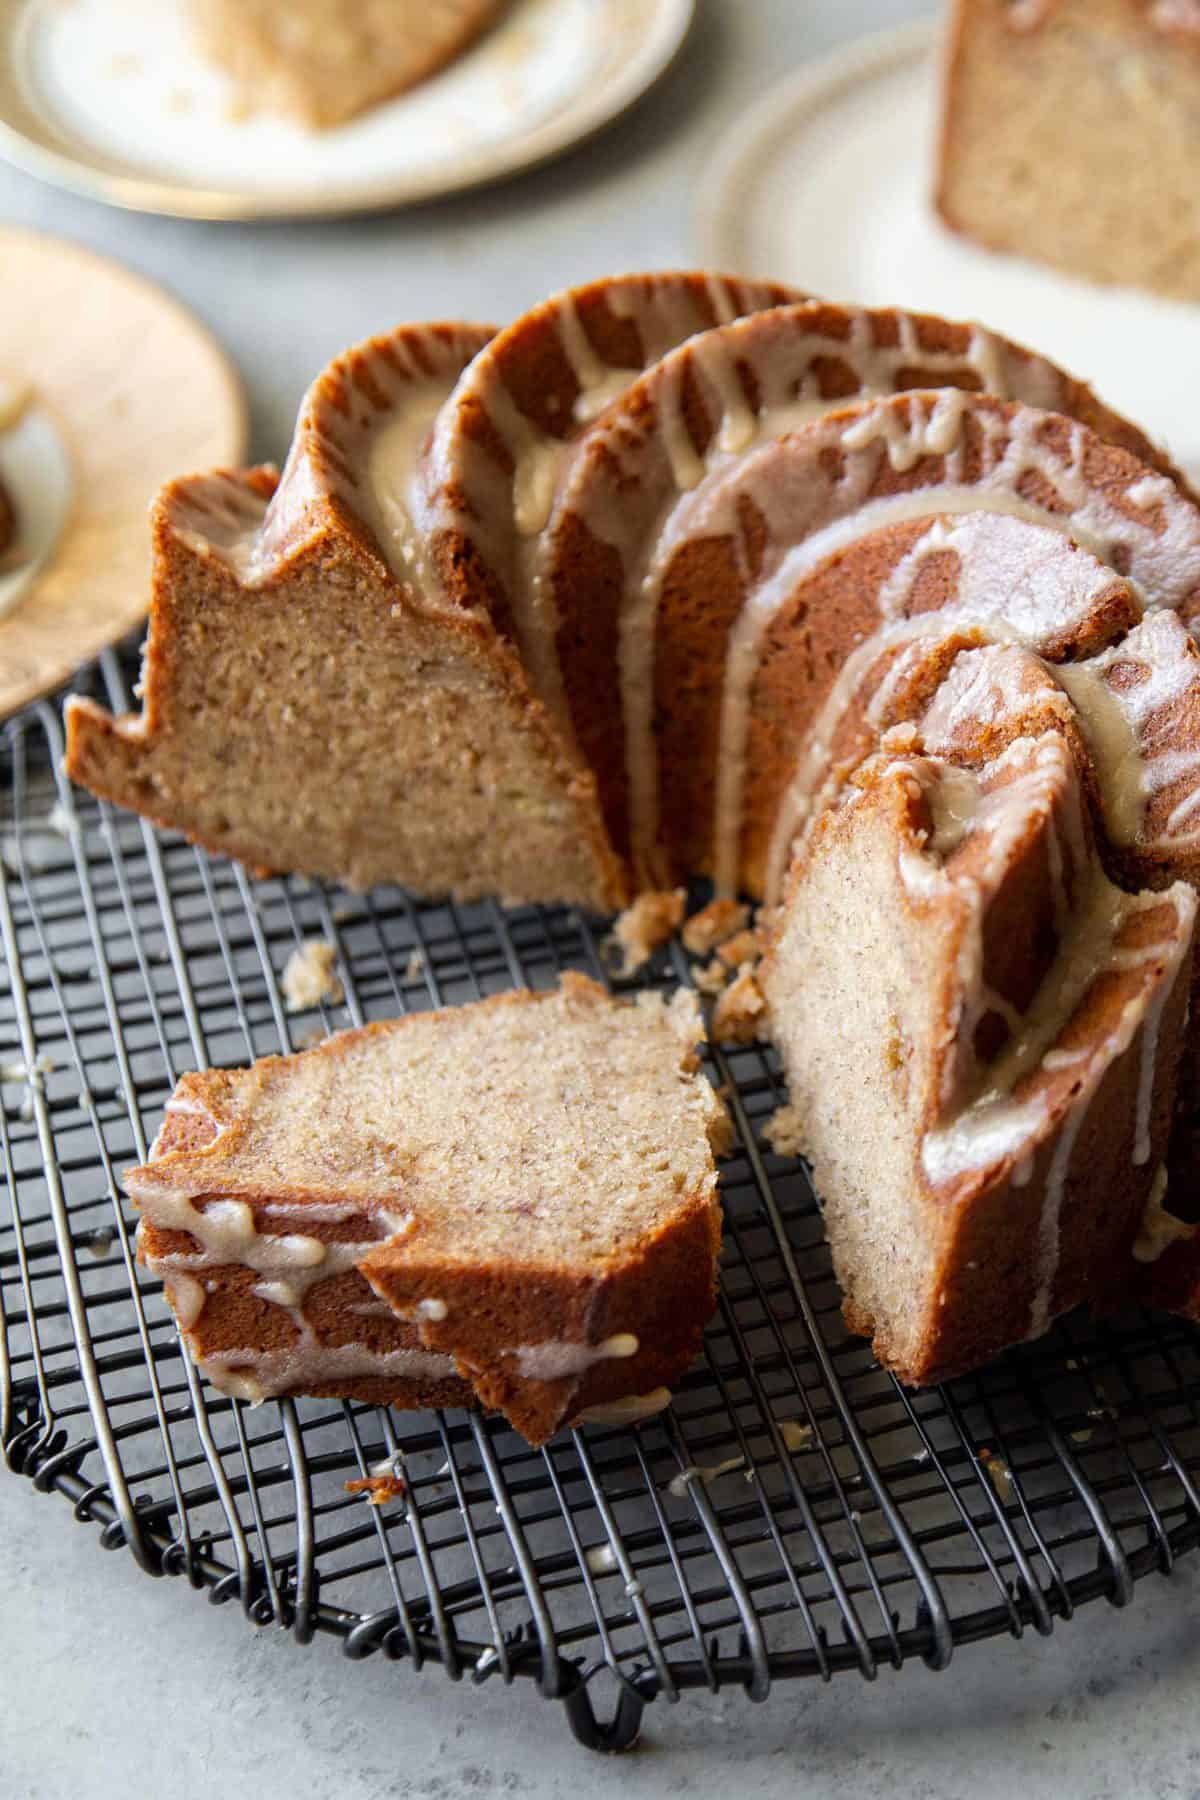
column 513, row 1203
column 1071, row 133
column 324, row 61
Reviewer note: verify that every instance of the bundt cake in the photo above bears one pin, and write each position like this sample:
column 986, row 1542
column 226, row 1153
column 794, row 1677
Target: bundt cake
column 394, row 1216
column 322, row 62
column 878, row 618
column 1071, row 133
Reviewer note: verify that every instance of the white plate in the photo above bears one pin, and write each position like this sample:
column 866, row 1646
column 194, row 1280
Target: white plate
column 110, row 99
column 828, row 186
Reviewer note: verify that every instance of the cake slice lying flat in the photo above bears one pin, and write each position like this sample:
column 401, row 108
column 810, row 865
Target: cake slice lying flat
column 324, row 61
column 513, row 1202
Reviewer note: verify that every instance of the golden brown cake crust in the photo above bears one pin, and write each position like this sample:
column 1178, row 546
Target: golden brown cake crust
column 432, row 697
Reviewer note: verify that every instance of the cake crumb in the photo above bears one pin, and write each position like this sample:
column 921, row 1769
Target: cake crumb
column 414, row 968
column 713, row 924
column 795, row 1435
column 744, row 947
column 739, row 1014
column 998, row 1473
column 712, row 977
column 101, row 1242
column 642, row 927
column 901, row 739
column 33, row 1078
column 309, row 976
column 378, row 1490
column 784, row 1131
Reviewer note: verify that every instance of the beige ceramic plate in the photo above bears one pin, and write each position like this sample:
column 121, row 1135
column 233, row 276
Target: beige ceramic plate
column 827, row 183
column 126, row 389
column 113, row 101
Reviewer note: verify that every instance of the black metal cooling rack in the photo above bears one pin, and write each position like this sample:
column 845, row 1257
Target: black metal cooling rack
column 795, row 1513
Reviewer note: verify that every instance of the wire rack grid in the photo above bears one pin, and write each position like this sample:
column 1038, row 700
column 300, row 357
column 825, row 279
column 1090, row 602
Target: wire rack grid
column 795, row 1513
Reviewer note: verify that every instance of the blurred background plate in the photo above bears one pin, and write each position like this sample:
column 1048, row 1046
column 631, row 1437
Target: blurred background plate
column 827, row 184
column 113, row 101
column 126, row 390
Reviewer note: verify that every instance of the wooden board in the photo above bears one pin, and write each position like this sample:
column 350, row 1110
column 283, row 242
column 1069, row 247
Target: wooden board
column 136, row 391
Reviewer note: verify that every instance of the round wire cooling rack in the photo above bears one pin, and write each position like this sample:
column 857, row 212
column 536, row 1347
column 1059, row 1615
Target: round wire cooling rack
column 795, row 1513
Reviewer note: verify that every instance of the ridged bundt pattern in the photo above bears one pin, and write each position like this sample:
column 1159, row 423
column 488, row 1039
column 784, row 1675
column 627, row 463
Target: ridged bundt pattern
column 877, row 617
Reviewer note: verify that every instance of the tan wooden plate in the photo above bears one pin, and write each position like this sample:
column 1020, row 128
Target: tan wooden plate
column 127, row 390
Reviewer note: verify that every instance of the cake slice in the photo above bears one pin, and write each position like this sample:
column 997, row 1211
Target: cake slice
column 323, row 61
column 988, row 1125
column 312, row 701
column 1071, row 133
column 971, row 1195
column 513, row 1202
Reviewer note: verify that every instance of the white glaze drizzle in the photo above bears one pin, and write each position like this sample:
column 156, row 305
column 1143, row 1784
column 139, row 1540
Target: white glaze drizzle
column 706, row 508
column 704, row 1473
column 1163, row 550
column 187, row 1296
column 291, row 1265
column 551, row 1361
column 1013, row 584
column 784, row 358
column 257, row 1375
column 464, row 488
column 227, row 1233
column 1135, row 753
column 630, row 1409
column 1159, row 1229
column 994, row 1126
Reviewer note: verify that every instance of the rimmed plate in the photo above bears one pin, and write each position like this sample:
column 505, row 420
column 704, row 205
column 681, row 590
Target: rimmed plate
column 828, row 185
column 113, row 101
column 125, row 389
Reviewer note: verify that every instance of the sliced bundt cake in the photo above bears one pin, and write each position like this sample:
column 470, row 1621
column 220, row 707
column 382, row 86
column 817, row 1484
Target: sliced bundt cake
column 679, row 576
